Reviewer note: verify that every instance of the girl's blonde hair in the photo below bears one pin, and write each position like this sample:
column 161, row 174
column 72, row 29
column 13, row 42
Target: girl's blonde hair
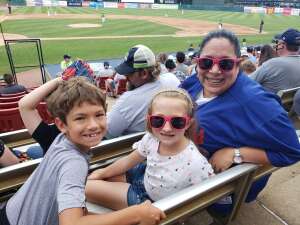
column 176, row 93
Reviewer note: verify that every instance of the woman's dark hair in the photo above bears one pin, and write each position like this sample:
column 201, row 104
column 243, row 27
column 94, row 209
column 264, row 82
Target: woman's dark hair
column 222, row 34
column 266, row 53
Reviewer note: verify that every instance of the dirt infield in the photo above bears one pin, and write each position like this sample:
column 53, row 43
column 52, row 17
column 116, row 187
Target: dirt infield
column 186, row 27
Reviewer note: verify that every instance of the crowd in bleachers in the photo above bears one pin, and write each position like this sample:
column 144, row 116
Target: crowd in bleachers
column 205, row 110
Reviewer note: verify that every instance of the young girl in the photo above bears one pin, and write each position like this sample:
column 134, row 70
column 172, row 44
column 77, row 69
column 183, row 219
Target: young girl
column 173, row 161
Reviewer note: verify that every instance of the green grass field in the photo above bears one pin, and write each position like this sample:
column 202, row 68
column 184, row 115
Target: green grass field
column 110, row 48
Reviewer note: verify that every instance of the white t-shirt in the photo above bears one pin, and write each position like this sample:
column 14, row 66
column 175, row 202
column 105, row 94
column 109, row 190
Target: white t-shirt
column 169, row 80
column 202, row 100
column 166, row 175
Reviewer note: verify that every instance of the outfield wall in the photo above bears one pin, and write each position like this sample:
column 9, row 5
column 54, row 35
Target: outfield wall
column 273, row 10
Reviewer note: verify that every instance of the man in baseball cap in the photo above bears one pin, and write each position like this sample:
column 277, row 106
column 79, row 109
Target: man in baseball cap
column 281, row 72
column 141, row 70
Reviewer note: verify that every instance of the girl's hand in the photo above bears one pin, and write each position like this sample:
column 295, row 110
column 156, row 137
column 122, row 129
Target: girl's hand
column 222, row 159
column 97, row 175
column 149, row 214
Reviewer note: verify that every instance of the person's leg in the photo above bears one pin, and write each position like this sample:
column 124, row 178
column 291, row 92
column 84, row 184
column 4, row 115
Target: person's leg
column 108, row 194
column 35, row 152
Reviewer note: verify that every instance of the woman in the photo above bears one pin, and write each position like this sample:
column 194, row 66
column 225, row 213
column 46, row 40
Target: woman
column 238, row 121
column 267, row 52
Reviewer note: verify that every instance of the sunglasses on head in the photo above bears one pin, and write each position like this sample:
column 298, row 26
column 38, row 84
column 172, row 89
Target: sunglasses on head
column 225, row 64
column 177, row 122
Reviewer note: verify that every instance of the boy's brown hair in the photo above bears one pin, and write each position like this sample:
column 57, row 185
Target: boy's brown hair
column 176, row 93
column 73, row 93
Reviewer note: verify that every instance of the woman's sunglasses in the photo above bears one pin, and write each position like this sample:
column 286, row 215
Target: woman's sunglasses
column 225, row 64
column 177, row 122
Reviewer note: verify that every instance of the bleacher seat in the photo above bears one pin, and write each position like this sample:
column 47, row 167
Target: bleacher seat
column 122, row 86
column 43, row 111
column 11, row 99
column 14, row 94
column 10, row 120
column 8, row 105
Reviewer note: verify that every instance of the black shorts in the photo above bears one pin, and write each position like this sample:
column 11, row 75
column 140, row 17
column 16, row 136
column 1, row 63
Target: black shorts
column 3, row 217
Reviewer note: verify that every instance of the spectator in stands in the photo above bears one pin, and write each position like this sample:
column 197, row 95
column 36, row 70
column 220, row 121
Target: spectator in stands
column 66, row 62
column 105, row 71
column 248, row 67
column 296, row 103
column 161, row 58
column 79, row 111
column 168, row 79
column 128, row 114
column 181, row 68
column 7, row 158
column 192, row 67
column 237, row 120
column 266, row 53
column 250, row 51
column 166, row 146
column 11, row 87
column 111, row 84
column 282, row 72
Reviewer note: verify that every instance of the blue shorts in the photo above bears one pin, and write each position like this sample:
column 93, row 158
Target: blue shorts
column 136, row 192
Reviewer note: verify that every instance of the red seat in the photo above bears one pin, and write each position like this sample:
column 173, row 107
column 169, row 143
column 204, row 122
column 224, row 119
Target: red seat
column 43, row 111
column 122, row 86
column 14, row 94
column 11, row 99
column 8, row 105
column 101, row 82
column 10, row 120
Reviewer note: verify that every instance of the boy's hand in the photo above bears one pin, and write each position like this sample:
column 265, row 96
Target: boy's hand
column 96, row 175
column 222, row 159
column 149, row 214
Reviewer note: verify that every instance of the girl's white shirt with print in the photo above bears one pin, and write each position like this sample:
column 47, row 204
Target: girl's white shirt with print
column 166, row 175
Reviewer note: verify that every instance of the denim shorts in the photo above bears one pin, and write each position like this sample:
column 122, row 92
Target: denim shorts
column 136, row 192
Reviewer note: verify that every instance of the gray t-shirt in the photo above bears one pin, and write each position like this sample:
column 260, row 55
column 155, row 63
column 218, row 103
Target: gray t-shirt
column 128, row 115
column 57, row 184
column 279, row 73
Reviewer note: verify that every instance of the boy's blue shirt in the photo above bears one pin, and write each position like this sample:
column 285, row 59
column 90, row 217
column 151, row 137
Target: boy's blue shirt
column 246, row 115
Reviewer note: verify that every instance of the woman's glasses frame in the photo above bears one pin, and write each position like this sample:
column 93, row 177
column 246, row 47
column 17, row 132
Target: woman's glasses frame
column 225, row 64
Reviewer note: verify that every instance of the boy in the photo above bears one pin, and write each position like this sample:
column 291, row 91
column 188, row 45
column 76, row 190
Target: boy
column 54, row 193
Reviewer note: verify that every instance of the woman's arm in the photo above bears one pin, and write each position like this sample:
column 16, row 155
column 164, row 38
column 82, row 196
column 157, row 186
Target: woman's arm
column 223, row 158
column 28, row 104
column 119, row 167
column 8, row 158
column 143, row 214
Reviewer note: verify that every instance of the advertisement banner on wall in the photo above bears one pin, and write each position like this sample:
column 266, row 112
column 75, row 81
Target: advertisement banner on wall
column 62, row 3
column 164, row 6
column 270, row 10
column 110, row 4
column 138, row 1
column 74, row 3
column 96, row 5
column 131, row 5
column 295, row 12
column 145, row 6
column 121, row 5
column 278, row 10
column 85, row 3
column 286, row 11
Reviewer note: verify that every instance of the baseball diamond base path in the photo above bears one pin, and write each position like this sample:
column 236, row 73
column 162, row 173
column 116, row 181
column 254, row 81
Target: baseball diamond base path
column 186, row 27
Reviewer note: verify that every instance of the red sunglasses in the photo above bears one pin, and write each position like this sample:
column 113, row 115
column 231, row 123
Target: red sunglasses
column 225, row 64
column 177, row 122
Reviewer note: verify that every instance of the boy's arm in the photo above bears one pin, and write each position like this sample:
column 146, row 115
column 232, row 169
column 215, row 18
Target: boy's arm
column 144, row 214
column 28, row 104
column 119, row 167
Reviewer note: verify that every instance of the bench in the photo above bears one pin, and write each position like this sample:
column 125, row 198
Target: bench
column 178, row 206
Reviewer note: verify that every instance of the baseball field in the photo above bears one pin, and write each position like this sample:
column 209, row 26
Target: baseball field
column 79, row 32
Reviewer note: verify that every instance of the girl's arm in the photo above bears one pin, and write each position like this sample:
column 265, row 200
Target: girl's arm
column 28, row 104
column 143, row 214
column 119, row 167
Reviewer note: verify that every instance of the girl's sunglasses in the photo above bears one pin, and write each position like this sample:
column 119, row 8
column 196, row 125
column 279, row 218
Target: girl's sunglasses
column 177, row 122
column 225, row 64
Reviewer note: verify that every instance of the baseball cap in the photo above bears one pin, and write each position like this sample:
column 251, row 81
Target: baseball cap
column 106, row 63
column 67, row 57
column 290, row 36
column 139, row 56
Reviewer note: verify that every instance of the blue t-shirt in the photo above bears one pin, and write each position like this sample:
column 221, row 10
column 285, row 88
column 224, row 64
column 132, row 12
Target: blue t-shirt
column 246, row 115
